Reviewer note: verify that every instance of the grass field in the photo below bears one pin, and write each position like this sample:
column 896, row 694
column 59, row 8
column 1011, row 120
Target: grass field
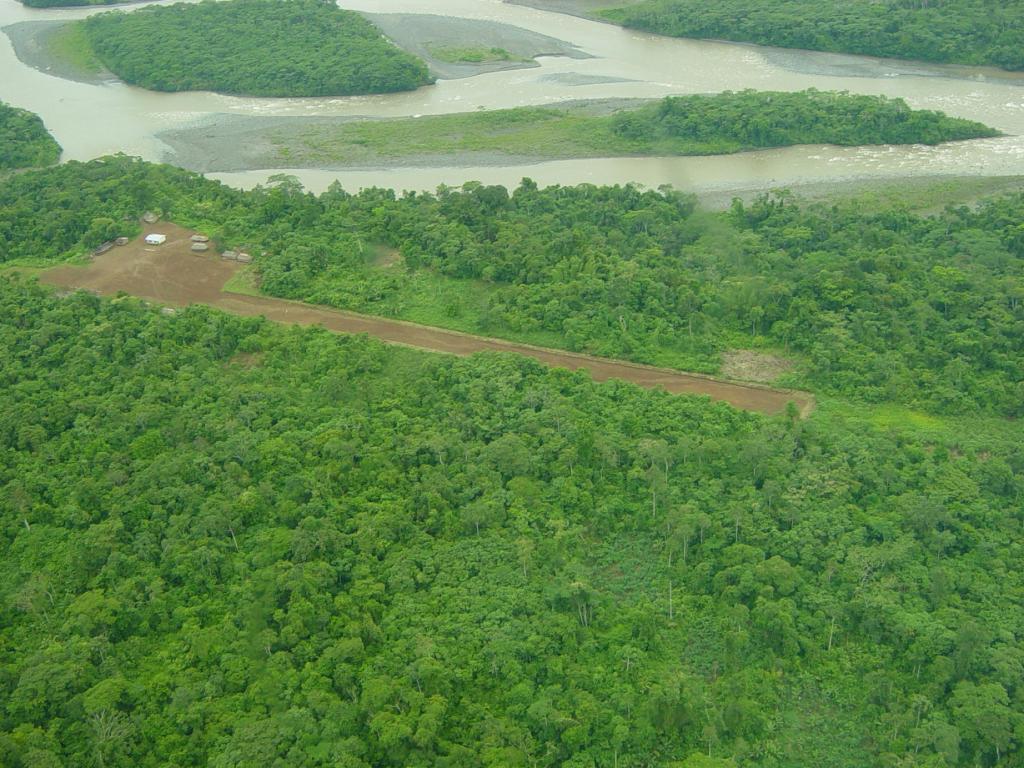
column 526, row 131
column 70, row 46
column 470, row 54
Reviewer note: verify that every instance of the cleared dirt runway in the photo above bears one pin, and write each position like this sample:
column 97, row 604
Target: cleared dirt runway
column 171, row 274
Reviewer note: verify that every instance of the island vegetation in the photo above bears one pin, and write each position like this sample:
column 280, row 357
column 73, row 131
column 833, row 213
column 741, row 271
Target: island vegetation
column 953, row 31
column 24, row 140
column 721, row 123
column 252, row 47
column 877, row 305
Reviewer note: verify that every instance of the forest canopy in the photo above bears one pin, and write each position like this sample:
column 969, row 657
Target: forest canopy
column 253, row 48
column 227, row 543
column 954, row 31
column 24, row 140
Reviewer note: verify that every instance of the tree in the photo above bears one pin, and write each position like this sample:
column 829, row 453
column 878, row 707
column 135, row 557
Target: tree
column 984, row 717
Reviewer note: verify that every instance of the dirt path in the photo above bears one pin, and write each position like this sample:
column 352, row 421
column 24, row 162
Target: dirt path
column 172, row 275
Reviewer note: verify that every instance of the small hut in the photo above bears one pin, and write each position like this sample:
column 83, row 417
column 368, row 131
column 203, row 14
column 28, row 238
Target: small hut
column 156, row 239
column 150, row 218
column 121, row 241
column 230, row 255
column 200, row 239
column 244, row 258
column 200, row 247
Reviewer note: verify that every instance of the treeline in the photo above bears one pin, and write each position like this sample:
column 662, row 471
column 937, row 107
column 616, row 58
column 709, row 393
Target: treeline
column 955, row 31
column 254, row 48
column 232, row 544
column 750, row 119
column 878, row 305
column 24, row 140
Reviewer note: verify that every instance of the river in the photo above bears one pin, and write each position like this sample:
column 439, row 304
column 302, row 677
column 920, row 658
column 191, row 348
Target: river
column 91, row 120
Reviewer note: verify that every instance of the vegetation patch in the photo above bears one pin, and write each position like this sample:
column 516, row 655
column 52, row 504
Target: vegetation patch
column 252, row 47
column 470, row 54
column 245, row 280
column 955, row 31
column 753, row 365
column 383, row 257
column 24, row 140
column 246, row 359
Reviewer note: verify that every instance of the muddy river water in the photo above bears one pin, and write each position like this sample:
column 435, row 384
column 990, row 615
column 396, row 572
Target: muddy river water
column 90, row 120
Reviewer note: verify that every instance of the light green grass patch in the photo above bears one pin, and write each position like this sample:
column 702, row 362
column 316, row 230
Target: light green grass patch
column 523, row 131
column 21, row 271
column 244, row 281
column 968, row 433
column 70, row 45
column 470, row 54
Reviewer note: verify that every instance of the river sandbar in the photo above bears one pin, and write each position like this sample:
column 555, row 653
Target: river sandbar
column 424, row 35
column 34, row 45
column 227, row 143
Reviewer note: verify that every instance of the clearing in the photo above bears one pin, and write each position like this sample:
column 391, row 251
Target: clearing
column 172, row 274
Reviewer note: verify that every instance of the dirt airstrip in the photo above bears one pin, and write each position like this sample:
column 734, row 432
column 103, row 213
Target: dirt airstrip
column 171, row 274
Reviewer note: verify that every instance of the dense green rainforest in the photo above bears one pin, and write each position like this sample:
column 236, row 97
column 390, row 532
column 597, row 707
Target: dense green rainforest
column 955, row 31
column 754, row 119
column 24, row 140
column 876, row 304
column 253, row 47
column 718, row 123
column 228, row 543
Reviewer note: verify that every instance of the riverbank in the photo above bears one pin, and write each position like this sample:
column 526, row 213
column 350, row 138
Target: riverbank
column 455, row 48
column 921, row 195
column 58, row 48
column 232, row 143
column 799, row 60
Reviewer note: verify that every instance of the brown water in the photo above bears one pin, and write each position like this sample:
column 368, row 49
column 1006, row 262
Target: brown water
column 91, row 120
